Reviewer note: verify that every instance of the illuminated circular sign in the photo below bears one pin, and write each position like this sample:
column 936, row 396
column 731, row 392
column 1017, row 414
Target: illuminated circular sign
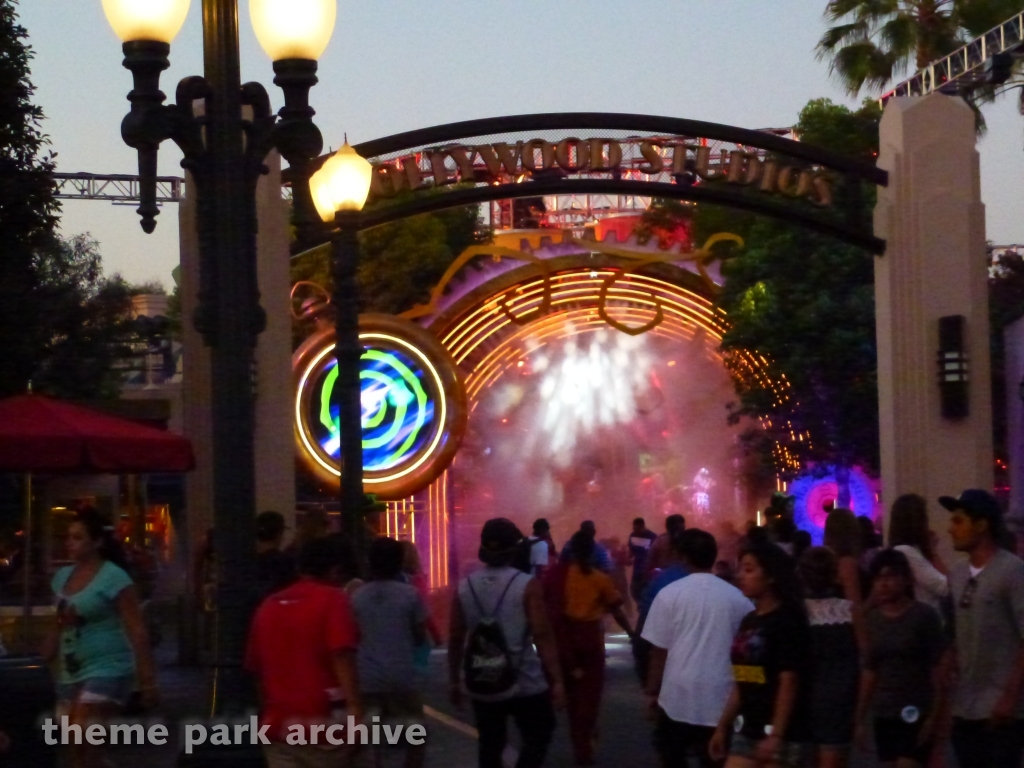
column 815, row 494
column 413, row 406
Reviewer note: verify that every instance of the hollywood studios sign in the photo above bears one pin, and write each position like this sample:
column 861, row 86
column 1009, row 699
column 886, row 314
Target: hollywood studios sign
column 685, row 162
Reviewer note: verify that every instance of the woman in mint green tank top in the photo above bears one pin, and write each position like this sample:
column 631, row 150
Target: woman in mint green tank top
column 100, row 646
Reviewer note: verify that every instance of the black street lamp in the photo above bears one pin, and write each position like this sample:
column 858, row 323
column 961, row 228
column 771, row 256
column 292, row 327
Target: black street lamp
column 225, row 145
column 339, row 191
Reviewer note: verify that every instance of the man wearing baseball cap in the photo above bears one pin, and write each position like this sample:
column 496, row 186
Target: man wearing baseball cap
column 988, row 597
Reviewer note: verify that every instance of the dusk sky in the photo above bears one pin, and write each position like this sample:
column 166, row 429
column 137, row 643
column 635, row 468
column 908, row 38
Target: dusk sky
column 396, row 65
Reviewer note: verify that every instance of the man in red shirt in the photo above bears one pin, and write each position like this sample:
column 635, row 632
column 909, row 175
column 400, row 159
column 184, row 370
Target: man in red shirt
column 302, row 649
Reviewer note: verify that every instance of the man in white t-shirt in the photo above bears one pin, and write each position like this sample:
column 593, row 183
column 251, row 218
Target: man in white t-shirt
column 540, row 547
column 691, row 626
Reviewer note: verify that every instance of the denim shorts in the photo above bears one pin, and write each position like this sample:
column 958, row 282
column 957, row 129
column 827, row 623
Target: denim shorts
column 98, row 690
column 791, row 754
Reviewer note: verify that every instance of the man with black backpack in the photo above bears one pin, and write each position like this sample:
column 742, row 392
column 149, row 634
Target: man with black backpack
column 497, row 619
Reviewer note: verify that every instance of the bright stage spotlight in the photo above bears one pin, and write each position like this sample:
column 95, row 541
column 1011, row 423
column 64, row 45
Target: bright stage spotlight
column 592, row 382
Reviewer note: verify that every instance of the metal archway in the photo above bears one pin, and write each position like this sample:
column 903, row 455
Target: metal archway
column 523, row 156
column 564, row 153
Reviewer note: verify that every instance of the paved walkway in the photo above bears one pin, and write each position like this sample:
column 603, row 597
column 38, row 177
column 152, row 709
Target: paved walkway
column 451, row 742
column 625, row 733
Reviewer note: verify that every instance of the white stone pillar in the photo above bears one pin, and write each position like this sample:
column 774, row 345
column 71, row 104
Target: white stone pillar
column 275, row 433
column 275, row 452
column 935, row 265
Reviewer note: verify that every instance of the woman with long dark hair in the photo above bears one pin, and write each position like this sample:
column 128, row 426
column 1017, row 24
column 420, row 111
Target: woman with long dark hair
column 843, row 535
column 909, row 533
column 100, row 641
column 903, row 676
column 835, row 657
column 579, row 596
column 768, row 710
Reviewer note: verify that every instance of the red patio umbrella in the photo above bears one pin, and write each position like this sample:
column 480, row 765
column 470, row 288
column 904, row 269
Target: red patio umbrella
column 39, row 434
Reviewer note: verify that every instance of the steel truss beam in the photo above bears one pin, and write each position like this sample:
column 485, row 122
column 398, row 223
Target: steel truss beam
column 116, row 188
column 969, row 66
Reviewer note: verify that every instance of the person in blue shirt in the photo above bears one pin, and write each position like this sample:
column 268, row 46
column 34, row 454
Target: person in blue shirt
column 640, row 541
column 661, row 550
column 673, row 571
column 600, row 559
column 100, row 641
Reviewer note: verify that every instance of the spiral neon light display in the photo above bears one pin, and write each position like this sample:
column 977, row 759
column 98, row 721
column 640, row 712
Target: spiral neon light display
column 397, row 413
column 413, row 406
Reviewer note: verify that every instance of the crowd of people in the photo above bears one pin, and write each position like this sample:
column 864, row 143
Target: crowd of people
column 765, row 650
column 794, row 655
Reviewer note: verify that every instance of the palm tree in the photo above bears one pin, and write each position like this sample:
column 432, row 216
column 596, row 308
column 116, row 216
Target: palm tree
column 976, row 17
column 873, row 41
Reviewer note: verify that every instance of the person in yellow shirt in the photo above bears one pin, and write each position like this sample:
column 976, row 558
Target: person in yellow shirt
column 580, row 595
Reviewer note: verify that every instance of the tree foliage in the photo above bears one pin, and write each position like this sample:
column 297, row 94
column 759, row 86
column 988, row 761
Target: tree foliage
column 28, row 210
column 871, row 43
column 805, row 304
column 63, row 326
column 401, row 262
column 85, row 340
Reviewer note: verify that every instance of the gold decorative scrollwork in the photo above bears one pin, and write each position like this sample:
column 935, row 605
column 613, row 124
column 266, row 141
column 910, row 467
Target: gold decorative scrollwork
column 602, row 307
column 704, row 256
column 311, row 306
column 421, row 310
column 545, row 303
column 701, row 257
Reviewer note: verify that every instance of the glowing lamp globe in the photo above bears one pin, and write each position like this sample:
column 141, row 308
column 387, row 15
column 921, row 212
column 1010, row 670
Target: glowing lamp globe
column 293, row 29
column 342, row 184
column 138, row 20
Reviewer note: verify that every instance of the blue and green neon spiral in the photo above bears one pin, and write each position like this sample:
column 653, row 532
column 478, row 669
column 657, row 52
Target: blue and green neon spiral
column 397, row 411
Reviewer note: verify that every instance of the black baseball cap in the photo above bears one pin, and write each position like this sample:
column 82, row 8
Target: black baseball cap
column 977, row 505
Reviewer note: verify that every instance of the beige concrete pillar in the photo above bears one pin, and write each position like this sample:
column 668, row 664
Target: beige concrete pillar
column 935, row 265
column 275, row 434
column 275, row 453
